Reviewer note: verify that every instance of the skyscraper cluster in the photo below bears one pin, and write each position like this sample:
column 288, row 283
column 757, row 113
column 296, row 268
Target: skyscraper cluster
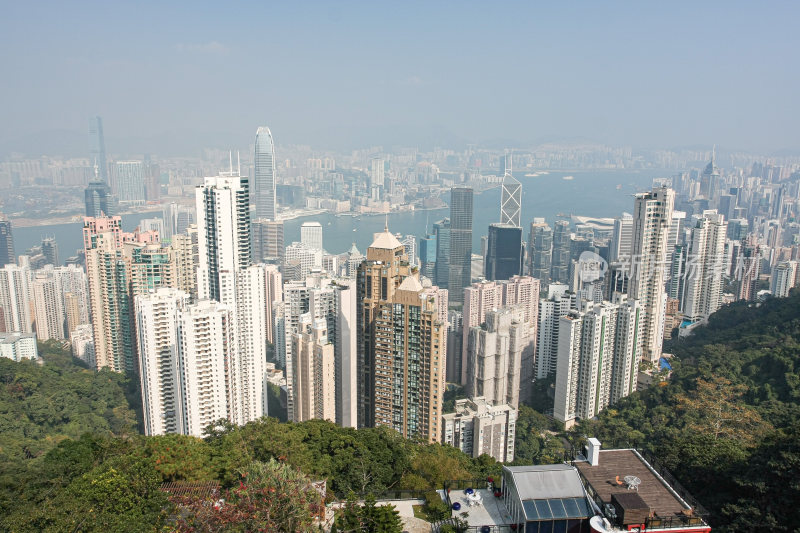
column 201, row 302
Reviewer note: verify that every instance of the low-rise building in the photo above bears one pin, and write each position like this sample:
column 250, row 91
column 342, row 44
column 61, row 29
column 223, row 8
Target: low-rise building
column 18, row 346
column 479, row 427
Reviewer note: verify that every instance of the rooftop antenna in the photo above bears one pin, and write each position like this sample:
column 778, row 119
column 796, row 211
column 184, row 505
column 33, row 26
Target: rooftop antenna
column 238, row 163
column 230, row 161
column 386, row 224
column 713, row 154
column 96, row 171
column 427, row 216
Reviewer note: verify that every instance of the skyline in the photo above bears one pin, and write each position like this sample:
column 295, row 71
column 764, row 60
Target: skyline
column 172, row 79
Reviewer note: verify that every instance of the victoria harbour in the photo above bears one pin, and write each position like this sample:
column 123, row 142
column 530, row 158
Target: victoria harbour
column 587, row 193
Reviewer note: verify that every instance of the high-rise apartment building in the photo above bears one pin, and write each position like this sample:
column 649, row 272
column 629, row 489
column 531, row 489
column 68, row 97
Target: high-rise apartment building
column 401, row 345
column 48, row 303
column 129, row 178
column 346, row 353
column 540, row 251
column 311, row 235
column 784, row 278
column 652, row 218
column 484, row 296
column 505, row 252
column 151, row 266
column 495, row 356
column 705, row 266
column 7, row 256
column 273, row 294
column 314, row 371
column 18, row 346
column 479, row 298
column 109, row 275
column 223, row 228
column 524, row 291
column 303, row 259
column 480, row 427
column 15, row 299
column 332, row 300
column 75, row 290
column 557, row 304
column 461, row 205
column 264, row 179
column 184, row 261
column 597, row 359
column 747, row 269
column 207, row 349
column 82, row 340
column 377, row 173
column 159, row 360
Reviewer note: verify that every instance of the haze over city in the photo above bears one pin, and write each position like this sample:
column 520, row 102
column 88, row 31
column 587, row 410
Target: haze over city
column 173, row 78
column 445, row 267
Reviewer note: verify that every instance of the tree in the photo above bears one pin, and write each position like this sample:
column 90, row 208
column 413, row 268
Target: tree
column 367, row 518
column 270, row 496
column 121, row 495
column 716, row 408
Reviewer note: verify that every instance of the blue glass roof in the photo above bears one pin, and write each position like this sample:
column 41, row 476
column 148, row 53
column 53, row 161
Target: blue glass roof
column 556, row 509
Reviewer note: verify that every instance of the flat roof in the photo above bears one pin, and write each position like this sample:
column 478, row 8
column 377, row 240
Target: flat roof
column 620, row 463
column 545, row 482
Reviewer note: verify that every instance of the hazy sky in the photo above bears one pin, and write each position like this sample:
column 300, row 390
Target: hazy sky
column 182, row 75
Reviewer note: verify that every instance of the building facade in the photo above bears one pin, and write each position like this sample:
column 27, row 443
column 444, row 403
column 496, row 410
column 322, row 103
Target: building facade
column 401, row 345
column 479, row 427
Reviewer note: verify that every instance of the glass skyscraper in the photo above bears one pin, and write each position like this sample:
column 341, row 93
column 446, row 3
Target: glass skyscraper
column 504, row 256
column 460, row 242
column 264, row 179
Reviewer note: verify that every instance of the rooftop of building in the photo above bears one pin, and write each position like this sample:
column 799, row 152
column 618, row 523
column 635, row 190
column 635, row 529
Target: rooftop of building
column 539, row 482
column 385, row 241
column 411, row 283
column 11, row 337
column 619, row 473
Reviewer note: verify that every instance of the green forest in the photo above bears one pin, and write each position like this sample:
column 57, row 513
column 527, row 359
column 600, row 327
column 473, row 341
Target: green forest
column 727, row 424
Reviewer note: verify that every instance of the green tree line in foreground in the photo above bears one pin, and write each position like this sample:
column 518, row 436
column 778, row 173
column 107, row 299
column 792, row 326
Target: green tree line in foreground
column 726, row 424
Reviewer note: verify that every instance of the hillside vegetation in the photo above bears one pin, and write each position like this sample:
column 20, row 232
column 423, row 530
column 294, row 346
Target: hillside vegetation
column 728, row 422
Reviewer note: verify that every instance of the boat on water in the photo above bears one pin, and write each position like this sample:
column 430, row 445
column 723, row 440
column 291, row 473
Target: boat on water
column 568, row 178
column 619, row 186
